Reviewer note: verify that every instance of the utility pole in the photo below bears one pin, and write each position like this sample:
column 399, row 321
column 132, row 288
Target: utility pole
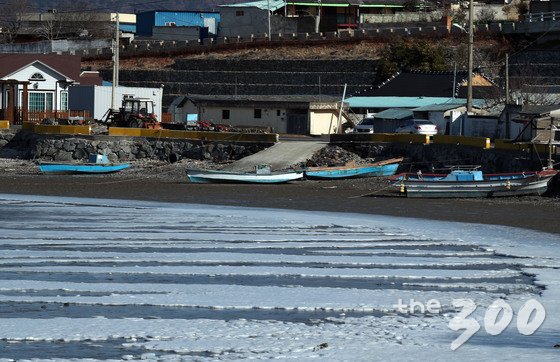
column 318, row 18
column 268, row 7
column 116, row 50
column 550, row 165
column 340, row 112
column 454, row 79
column 471, row 43
column 507, row 79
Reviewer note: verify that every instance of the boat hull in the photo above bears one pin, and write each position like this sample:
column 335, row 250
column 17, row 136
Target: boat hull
column 68, row 168
column 206, row 176
column 531, row 185
column 373, row 171
column 382, row 168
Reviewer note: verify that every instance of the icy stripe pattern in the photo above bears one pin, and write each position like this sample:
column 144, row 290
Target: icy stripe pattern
column 100, row 279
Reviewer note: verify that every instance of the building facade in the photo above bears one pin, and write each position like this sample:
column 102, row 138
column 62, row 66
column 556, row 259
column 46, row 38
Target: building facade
column 38, row 83
column 312, row 115
column 147, row 21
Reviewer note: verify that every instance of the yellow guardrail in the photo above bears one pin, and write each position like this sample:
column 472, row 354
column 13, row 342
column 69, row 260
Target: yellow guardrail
column 407, row 138
column 380, row 137
column 4, row 124
column 525, row 147
column 481, row 142
column 194, row 135
column 58, row 129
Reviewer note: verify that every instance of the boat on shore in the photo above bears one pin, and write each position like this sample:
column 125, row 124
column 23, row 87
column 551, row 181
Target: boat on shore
column 97, row 164
column 473, row 183
column 217, row 176
column 376, row 169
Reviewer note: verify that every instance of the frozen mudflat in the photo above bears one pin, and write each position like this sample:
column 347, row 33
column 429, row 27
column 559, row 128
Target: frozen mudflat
column 111, row 280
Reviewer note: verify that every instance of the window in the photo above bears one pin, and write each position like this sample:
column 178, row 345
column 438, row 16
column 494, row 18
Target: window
column 277, row 113
column 170, row 23
column 39, row 102
column 64, row 101
column 239, row 13
column 258, row 113
column 36, row 77
column 225, row 113
column 367, row 122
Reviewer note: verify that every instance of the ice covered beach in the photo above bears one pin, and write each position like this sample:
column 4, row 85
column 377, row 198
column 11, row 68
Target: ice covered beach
column 112, row 280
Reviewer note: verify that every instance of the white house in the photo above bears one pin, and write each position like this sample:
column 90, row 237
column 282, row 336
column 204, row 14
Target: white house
column 31, row 83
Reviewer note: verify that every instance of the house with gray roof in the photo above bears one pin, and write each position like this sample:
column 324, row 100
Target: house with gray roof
column 294, row 114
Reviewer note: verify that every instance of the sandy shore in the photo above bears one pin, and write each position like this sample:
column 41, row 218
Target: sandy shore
column 158, row 181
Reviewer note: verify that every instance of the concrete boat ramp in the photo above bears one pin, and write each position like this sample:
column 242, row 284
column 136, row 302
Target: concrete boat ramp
column 281, row 156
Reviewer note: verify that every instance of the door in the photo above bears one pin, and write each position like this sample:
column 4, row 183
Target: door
column 298, row 123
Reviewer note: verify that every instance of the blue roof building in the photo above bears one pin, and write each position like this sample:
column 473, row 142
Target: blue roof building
column 145, row 21
column 386, row 102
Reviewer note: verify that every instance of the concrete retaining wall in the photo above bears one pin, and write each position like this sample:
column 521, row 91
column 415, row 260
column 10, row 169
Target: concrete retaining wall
column 68, row 148
column 427, row 156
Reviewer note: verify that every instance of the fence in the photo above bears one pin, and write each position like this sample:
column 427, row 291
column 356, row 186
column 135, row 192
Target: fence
column 38, row 117
column 400, row 17
column 534, row 17
column 166, row 117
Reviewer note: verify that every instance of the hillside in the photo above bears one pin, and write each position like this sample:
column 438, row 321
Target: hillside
column 279, row 69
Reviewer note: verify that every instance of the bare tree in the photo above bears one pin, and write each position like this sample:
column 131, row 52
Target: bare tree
column 77, row 20
column 12, row 17
column 486, row 14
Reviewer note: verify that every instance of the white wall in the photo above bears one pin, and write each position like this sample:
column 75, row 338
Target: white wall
column 323, row 122
column 245, row 116
column 48, row 85
column 97, row 99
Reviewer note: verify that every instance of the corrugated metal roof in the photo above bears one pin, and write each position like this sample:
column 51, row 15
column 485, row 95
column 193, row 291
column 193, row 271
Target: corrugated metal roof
column 273, row 5
column 403, row 102
column 443, row 107
column 394, row 113
column 264, row 98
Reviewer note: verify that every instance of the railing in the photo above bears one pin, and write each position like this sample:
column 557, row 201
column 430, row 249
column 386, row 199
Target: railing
column 534, row 17
column 166, row 117
column 38, row 117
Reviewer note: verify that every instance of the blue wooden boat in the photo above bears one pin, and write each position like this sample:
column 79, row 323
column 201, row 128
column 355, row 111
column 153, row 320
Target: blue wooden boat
column 216, row 176
column 381, row 168
column 473, row 183
column 97, row 164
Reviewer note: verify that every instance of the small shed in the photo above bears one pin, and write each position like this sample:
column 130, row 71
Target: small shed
column 301, row 114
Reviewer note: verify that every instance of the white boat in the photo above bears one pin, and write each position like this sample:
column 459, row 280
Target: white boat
column 211, row 176
column 473, row 183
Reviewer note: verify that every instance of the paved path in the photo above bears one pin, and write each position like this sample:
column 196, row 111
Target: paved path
column 280, row 156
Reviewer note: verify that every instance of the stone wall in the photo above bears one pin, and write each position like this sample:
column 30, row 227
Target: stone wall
column 6, row 136
column 68, row 148
column 254, row 77
column 425, row 157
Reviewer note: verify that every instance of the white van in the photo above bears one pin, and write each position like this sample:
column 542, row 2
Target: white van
column 365, row 126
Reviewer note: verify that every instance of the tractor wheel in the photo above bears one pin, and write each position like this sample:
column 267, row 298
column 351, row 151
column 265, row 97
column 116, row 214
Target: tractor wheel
column 136, row 123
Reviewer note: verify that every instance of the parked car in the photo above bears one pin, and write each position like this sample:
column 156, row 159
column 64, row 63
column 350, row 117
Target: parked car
column 418, row 126
column 365, row 126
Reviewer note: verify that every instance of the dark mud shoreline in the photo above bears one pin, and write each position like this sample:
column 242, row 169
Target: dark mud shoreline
column 168, row 183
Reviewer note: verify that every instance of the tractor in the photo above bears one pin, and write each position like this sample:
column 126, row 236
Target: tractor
column 134, row 113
